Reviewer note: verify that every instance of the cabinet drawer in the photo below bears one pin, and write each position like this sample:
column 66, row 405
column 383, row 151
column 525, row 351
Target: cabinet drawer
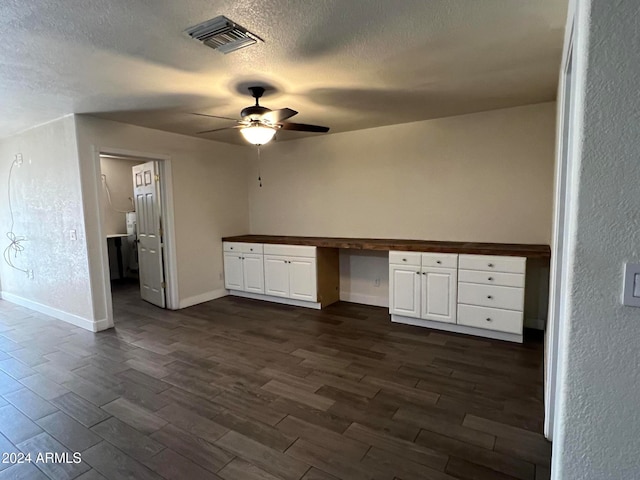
column 440, row 260
column 289, row 250
column 493, row 263
column 490, row 318
column 405, row 258
column 232, row 246
column 491, row 278
column 251, row 248
column 491, row 296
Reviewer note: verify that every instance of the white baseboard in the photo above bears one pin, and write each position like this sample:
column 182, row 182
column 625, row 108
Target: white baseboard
column 91, row 325
column 363, row 299
column 453, row 327
column 203, row 297
column 270, row 298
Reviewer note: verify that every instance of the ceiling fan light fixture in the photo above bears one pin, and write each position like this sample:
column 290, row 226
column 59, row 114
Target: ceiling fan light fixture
column 258, row 134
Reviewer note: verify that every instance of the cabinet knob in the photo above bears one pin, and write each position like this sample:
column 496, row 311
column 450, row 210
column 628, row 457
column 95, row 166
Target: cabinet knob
column 490, row 265
column 417, row 273
column 489, row 297
column 488, row 319
column 438, row 262
column 490, row 279
column 424, row 273
column 251, row 249
column 404, row 259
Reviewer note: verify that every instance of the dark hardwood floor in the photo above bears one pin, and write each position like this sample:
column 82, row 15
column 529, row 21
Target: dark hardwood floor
column 241, row 389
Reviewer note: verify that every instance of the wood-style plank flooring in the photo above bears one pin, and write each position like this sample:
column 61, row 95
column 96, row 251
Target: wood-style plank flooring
column 240, row 389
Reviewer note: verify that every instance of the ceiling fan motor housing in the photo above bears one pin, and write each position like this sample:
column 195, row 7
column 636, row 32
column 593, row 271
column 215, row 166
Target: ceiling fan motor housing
column 254, row 112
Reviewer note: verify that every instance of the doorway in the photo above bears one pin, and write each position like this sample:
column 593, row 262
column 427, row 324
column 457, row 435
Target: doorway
column 123, row 206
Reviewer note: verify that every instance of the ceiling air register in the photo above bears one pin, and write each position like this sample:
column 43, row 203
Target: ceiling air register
column 222, row 34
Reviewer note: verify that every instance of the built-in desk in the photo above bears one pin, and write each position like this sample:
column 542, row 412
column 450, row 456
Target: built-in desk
column 505, row 249
column 466, row 287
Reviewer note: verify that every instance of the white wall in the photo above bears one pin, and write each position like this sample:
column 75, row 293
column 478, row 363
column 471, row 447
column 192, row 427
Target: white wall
column 47, row 205
column 485, row 177
column 481, row 177
column 210, row 199
column 597, row 431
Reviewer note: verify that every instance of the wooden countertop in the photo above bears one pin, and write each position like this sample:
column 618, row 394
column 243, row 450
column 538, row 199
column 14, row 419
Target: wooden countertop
column 508, row 249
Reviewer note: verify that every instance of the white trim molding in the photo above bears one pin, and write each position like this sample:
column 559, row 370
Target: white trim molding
column 87, row 324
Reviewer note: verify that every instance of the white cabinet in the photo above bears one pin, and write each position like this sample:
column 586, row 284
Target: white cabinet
column 233, row 273
column 438, row 294
column 291, row 277
column 475, row 294
column 302, row 279
column 419, row 290
column 404, row 290
column 253, row 270
column 243, row 269
column 491, row 293
column 276, row 276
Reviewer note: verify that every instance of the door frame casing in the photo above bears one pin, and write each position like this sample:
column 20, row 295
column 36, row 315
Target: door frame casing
column 166, row 201
column 561, row 218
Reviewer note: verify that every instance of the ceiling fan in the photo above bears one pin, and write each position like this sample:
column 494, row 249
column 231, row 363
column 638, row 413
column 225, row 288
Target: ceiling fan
column 259, row 124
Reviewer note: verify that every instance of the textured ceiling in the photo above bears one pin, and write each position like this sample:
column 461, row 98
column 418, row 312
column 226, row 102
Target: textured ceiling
column 347, row 64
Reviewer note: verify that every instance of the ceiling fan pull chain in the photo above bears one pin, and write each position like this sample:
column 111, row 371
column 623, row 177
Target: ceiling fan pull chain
column 259, row 176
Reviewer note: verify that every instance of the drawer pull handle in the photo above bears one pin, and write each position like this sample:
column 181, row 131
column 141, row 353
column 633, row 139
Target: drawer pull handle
column 438, row 262
column 488, row 319
column 404, row 259
column 490, row 265
column 489, row 297
column 490, row 279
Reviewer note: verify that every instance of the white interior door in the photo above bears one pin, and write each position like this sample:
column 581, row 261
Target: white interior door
column 146, row 187
column 439, row 294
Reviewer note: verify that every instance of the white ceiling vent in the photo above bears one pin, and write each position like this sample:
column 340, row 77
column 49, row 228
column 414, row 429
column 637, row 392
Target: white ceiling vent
column 222, row 34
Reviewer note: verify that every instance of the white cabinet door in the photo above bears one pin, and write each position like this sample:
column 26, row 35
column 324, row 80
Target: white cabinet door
column 404, row 290
column 233, row 274
column 253, row 269
column 438, row 294
column 302, row 279
column 276, row 275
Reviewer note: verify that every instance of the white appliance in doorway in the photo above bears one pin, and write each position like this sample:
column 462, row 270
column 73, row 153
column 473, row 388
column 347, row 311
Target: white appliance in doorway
column 146, row 188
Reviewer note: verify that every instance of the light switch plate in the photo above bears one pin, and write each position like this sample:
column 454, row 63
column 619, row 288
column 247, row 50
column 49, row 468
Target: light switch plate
column 631, row 288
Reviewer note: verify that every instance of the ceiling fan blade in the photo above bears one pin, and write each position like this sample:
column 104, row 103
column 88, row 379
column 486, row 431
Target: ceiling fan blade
column 218, row 129
column 276, row 116
column 303, row 127
column 214, row 116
